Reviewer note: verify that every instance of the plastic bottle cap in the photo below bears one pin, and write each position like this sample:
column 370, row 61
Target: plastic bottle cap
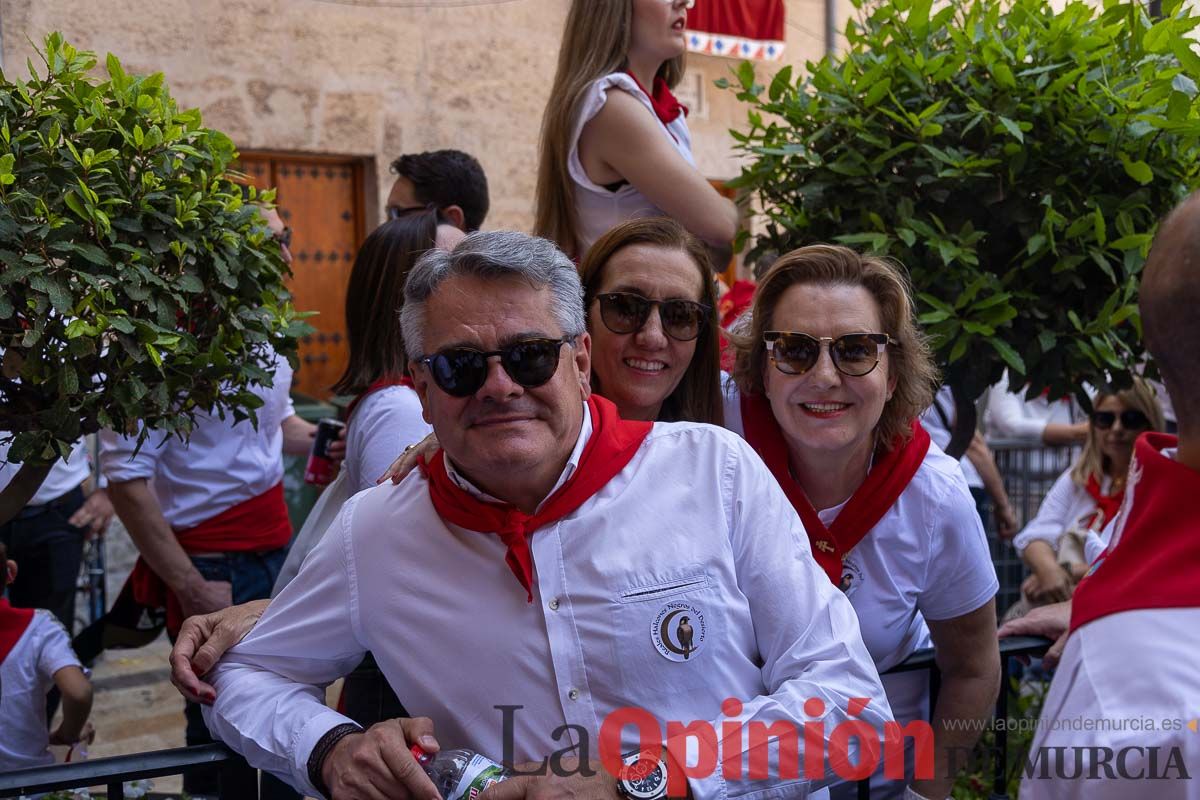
column 420, row 755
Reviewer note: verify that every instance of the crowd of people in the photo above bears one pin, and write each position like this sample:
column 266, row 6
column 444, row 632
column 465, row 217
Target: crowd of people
column 555, row 506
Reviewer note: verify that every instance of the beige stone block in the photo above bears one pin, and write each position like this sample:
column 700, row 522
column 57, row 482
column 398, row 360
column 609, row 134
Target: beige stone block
column 350, row 123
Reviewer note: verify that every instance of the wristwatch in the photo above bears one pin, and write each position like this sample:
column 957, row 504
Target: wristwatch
column 645, row 778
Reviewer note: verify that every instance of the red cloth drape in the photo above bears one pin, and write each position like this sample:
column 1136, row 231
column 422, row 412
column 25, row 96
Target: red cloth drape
column 751, row 29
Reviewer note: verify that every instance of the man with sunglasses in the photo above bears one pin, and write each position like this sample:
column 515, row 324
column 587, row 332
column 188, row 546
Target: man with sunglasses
column 1134, row 621
column 540, row 566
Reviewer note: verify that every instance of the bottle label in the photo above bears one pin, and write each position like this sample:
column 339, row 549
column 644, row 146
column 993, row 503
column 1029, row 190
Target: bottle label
column 479, row 774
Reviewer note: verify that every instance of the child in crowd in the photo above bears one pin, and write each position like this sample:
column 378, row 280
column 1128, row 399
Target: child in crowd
column 35, row 654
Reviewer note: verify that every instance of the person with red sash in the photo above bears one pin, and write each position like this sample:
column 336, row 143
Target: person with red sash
column 1120, row 716
column 35, row 656
column 541, row 565
column 208, row 517
column 615, row 143
column 1085, row 498
column 830, row 378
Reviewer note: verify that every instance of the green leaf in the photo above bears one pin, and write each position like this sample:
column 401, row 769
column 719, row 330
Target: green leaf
column 1047, row 340
column 1013, row 129
column 877, row 92
column 1010, row 356
column 1138, row 170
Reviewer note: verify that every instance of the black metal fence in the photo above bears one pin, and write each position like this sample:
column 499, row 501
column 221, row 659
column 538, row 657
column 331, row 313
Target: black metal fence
column 1028, row 474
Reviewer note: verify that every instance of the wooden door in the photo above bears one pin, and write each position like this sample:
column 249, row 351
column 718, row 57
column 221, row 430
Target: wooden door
column 321, row 199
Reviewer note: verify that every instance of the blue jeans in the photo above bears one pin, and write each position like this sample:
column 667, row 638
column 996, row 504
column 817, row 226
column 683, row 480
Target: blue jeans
column 252, row 576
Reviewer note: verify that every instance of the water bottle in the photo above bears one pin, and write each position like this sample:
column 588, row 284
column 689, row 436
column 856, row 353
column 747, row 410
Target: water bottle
column 459, row 774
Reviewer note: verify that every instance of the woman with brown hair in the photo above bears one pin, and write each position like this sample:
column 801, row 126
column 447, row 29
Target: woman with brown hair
column 615, row 143
column 831, row 375
column 386, row 412
column 656, row 366
column 1085, row 497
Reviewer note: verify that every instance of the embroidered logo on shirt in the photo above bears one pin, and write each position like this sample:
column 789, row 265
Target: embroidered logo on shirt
column 852, row 576
column 678, row 631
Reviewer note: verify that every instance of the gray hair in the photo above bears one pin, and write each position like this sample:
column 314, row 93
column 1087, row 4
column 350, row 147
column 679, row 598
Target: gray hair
column 490, row 255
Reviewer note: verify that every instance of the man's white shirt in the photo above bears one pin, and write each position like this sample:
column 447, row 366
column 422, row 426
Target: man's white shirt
column 694, row 524
column 26, row 675
column 222, row 463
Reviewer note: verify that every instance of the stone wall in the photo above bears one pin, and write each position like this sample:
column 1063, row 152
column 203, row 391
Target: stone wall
column 372, row 78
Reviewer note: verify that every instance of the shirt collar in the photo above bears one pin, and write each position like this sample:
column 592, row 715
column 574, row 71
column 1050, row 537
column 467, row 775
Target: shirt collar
column 585, row 433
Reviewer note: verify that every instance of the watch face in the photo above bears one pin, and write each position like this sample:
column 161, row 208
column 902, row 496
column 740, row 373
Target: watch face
column 645, row 779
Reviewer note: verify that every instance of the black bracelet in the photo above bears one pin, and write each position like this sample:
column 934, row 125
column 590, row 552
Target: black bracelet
column 321, row 751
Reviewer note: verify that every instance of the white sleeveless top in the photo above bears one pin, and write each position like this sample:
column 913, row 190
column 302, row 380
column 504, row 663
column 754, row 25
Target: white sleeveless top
column 598, row 209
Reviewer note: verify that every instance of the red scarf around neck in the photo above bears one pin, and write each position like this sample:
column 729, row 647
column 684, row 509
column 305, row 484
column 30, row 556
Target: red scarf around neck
column 381, row 383
column 1154, row 556
column 888, row 478
column 13, row 623
column 666, row 107
column 612, row 445
column 1107, row 505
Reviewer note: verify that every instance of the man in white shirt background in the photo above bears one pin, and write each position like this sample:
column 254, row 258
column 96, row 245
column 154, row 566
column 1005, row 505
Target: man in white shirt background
column 543, row 560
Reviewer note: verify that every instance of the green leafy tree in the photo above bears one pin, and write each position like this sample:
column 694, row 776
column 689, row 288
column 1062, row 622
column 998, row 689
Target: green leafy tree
column 138, row 285
column 1016, row 159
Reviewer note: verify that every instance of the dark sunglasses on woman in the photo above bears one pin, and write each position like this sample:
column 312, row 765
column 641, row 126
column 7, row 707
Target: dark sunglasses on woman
column 461, row 371
column 853, row 354
column 1131, row 420
column 626, row 312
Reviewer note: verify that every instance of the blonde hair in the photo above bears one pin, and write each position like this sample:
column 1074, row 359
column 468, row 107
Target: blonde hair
column 595, row 43
column 910, row 361
column 1092, row 462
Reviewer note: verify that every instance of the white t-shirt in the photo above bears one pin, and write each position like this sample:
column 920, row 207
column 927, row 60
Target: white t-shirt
column 26, row 675
column 694, row 525
column 597, row 209
column 1010, row 416
column 382, row 425
column 63, row 477
column 1127, row 682
column 1067, row 506
column 221, row 465
column 926, row 558
column 940, row 432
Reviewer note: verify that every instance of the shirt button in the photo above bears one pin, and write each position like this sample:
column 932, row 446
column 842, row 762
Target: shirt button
column 573, row 694
column 554, row 604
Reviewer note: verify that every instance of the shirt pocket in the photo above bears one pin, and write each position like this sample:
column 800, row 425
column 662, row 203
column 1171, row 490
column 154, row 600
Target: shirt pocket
column 667, row 631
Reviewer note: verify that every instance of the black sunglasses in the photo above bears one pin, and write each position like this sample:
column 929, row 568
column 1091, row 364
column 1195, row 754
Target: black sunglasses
column 396, row 212
column 626, row 312
column 1131, row 420
column 854, row 354
column 461, row 371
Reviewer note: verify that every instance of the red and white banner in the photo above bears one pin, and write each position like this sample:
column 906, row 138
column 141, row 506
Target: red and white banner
column 743, row 29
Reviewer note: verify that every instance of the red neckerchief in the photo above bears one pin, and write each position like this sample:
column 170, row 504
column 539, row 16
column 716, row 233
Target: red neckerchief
column 888, row 478
column 255, row 525
column 1107, row 505
column 13, row 623
column 381, row 383
column 666, row 107
column 1154, row 556
column 613, row 443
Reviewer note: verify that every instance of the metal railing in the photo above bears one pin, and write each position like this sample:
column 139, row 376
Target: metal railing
column 1009, row 648
column 1028, row 473
column 239, row 782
